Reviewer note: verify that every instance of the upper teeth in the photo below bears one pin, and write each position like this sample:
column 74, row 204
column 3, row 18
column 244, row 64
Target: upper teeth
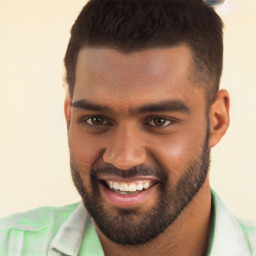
column 126, row 187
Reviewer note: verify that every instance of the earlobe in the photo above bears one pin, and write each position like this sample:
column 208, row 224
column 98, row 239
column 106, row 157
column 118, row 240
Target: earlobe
column 219, row 117
column 67, row 108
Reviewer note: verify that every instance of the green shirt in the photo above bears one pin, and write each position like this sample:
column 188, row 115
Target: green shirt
column 69, row 230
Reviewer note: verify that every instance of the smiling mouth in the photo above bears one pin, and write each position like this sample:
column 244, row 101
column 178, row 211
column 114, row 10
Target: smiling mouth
column 131, row 188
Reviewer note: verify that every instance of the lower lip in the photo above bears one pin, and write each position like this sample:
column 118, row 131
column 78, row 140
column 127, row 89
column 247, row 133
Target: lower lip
column 127, row 200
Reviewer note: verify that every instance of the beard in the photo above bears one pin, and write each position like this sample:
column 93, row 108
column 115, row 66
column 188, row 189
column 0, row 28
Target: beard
column 132, row 226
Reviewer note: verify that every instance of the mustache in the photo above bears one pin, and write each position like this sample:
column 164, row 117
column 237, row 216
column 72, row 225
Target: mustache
column 139, row 170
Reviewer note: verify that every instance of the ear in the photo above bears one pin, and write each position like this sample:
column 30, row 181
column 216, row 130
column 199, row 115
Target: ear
column 67, row 108
column 219, row 117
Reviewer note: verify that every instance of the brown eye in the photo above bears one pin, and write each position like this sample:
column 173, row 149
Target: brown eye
column 160, row 122
column 96, row 120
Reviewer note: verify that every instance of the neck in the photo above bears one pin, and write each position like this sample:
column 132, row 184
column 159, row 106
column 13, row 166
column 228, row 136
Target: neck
column 188, row 235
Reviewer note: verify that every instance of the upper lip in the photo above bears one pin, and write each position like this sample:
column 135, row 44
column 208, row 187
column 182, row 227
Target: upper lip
column 127, row 180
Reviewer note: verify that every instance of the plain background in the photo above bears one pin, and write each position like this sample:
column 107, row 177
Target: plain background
column 34, row 160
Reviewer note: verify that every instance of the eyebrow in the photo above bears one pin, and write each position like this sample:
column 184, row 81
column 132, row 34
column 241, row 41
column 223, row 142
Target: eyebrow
column 162, row 106
column 88, row 105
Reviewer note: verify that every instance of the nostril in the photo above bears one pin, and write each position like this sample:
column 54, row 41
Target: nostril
column 108, row 156
column 124, row 155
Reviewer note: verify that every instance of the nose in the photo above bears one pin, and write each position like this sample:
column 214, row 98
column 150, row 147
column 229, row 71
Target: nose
column 125, row 148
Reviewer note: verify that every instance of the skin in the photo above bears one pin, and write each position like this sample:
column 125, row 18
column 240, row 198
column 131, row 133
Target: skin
column 132, row 81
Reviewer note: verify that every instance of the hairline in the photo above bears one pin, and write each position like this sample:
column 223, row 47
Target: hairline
column 199, row 79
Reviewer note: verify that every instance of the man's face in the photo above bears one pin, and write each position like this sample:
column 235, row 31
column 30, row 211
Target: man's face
column 138, row 139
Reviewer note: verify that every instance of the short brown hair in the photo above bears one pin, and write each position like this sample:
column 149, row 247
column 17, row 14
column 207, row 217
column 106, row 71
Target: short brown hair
column 131, row 25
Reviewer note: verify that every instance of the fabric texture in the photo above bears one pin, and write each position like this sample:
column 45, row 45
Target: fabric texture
column 69, row 230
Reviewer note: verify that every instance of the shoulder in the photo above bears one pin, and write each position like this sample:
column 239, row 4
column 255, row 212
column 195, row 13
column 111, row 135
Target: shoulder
column 231, row 235
column 32, row 230
column 36, row 219
column 249, row 228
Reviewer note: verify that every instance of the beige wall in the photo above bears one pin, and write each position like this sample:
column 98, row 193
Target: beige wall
column 34, row 168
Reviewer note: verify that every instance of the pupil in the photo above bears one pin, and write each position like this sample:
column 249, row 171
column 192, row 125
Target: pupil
column 97, row 120
column 159, row 121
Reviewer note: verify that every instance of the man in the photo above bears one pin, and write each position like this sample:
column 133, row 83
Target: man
column 143, row 110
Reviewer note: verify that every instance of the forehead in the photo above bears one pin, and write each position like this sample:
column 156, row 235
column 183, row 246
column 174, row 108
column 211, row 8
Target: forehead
column 104, row 74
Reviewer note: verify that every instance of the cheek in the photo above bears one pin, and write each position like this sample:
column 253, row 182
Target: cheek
column 85, row 149
column 175, row 153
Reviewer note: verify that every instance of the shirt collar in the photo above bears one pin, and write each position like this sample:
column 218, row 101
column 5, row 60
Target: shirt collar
column 227, row 236
column 70, row 235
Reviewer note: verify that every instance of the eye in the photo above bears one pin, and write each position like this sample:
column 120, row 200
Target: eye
column 96, row 120
column 160, row 122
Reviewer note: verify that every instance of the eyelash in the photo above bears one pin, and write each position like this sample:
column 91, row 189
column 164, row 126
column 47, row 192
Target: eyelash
column 147, row 121
column 106, row 121
column 152, row 119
